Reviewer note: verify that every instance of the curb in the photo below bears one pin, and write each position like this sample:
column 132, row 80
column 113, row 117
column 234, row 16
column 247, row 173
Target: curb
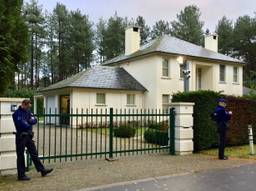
column 134, row 181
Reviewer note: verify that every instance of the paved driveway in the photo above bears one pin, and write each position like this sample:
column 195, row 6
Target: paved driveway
column 233, row 179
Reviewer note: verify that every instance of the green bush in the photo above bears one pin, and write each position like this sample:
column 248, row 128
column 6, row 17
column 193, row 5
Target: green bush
column 205, row 131
column 156, row 137
column 124, row 131
column 154, row 125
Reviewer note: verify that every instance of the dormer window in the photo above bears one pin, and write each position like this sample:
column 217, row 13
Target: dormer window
column 165, row 68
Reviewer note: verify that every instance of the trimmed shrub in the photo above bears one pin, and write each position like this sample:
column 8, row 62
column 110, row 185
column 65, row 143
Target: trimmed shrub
column 154, row 125
column 244, row 113
column 163, row 125
column 124, row 131
column 205, row 131
column 156, row 137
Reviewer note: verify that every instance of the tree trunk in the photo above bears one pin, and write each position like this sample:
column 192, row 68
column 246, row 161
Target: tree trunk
column 32, row 63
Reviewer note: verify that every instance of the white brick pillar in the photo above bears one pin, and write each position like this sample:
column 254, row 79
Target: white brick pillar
column 183, row 127
column 7, row 138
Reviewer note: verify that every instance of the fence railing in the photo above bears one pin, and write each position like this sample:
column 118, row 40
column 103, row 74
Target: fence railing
column 103, row 133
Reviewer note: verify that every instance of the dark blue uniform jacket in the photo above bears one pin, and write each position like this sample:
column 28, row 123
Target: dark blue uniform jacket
column 221, row 115
column 22, row 120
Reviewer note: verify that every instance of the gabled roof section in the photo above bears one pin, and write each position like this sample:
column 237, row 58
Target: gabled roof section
column 100, row 77
column 171, row 45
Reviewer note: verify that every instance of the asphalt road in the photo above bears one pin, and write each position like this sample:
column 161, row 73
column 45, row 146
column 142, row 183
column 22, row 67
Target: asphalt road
column 234, row 179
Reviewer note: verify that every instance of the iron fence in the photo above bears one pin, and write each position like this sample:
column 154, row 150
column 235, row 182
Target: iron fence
column 98, row 133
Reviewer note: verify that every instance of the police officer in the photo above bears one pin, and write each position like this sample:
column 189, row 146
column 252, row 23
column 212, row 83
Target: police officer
column 221, row 115
column 24, row 120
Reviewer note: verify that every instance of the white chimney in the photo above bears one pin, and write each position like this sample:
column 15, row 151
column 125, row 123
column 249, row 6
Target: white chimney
column 132, row 40
column 211, row 41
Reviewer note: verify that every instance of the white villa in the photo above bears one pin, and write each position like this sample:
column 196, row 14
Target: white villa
column 147, row 76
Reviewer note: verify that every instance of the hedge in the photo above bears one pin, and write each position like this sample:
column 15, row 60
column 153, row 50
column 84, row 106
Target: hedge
column 25, row 93
column 156, row 137
column 124, row 131
column 244, row 113
column 205, row 131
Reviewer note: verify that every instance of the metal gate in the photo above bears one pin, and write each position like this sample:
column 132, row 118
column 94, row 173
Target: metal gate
column 102, row 133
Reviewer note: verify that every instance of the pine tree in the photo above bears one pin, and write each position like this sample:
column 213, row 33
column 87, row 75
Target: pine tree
column 100, row 37
column 245, row 44
column 111, row 37
column 188, row 25
column 144, row 29
column 160, row 28
column 36, row 24
column 225, row 31
column 13, row 41
column 62, row 30
column 81, row 41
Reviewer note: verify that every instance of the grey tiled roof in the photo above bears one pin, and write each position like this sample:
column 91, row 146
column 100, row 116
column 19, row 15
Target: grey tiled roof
column 102, row 77
column 247, row 91
column 172, row 45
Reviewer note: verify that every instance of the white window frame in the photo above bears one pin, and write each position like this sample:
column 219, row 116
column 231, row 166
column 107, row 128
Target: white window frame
column 128, row 99
column 235, row 74
column 165, row 68
column 181, row 71
column 165, row 105
column 222, row 73
column 97, row 99
column 168, row 97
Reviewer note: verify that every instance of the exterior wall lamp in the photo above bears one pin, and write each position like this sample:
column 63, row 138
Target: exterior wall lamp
column 186, row 72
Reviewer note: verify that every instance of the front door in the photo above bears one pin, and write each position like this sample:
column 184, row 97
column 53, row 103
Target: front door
column 198, row 78
column 64, row 109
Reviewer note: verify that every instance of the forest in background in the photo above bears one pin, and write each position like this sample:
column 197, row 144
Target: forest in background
column 39, row 48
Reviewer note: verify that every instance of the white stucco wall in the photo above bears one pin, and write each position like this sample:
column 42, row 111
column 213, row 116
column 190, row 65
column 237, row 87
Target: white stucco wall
column 144, row 71
column 148, row 71
column 229, row 87
column 86, row 99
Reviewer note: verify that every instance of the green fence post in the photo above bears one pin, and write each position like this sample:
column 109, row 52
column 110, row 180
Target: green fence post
column 111, row 134
column 172, row 131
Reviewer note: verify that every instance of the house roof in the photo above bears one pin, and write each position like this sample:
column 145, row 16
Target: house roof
column 248, row 91
column 172, row 45
column 100, row 77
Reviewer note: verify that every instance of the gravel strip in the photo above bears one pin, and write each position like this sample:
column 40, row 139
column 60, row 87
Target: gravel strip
column 88, row 173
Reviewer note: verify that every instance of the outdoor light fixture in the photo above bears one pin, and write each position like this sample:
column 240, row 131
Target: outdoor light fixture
column 180, row 60
column 185, row 71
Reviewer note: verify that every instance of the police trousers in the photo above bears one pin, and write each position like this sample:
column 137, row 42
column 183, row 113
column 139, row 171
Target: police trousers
column 25, row 141
column 222, row 129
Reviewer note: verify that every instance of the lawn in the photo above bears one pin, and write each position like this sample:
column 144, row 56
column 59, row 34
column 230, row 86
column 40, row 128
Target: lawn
column 235, row 151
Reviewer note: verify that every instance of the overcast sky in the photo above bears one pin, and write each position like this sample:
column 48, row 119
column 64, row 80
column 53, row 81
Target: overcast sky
column 154, row 10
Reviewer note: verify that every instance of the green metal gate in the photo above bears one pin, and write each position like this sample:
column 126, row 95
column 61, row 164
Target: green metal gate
column 104, row 133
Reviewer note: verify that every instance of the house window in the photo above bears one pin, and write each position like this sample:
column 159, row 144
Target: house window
column 165, row 98
column 130, row 99
column 165, row 68
column 165, row 101
column 235, row 74
column 222, row 73
column 101, row 98
column 181, row 71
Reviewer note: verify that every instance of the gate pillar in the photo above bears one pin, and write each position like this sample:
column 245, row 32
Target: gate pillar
column 7, row 137
column 183, row 127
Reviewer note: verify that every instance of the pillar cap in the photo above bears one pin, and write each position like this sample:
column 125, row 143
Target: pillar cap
column 182, row 104
column 11, row 99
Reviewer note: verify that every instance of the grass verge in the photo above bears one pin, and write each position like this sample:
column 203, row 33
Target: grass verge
column 235, row 152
